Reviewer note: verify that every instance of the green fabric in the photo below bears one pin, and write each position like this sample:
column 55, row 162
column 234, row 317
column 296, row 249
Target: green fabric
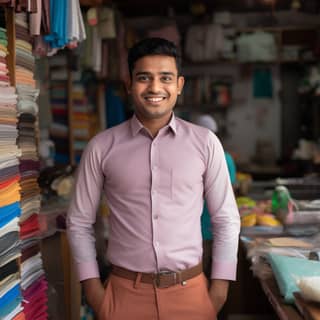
column 231, row 167
column 288, row 269
column 4, row 42
column 262, row 83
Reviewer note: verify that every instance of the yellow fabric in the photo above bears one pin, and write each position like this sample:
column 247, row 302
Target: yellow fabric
column 10, row 194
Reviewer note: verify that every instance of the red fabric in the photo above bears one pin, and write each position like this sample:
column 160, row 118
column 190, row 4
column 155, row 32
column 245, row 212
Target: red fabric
column 29, row 227
column 19, row 316
column 12, row 180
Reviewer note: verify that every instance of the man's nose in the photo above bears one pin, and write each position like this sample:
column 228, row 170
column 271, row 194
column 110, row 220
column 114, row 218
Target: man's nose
column 155, row 85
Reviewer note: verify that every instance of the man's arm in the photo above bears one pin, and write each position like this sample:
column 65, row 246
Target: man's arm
column 218, row 293
column 94, row 293
column 80, row 219
column 225, row 220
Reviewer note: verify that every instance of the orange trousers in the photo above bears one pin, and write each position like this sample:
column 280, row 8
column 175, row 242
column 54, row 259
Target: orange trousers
column 133, row 300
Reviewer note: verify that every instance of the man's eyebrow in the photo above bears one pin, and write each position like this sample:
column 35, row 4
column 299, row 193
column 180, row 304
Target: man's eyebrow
column 142, row 73
column 149, row 73
column 167, row 73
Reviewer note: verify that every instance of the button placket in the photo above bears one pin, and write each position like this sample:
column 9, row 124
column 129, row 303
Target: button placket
column 153, row 193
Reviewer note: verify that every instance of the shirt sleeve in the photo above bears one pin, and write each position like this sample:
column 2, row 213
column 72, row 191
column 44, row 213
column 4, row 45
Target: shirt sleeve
column 82, row 212
column 223, row 211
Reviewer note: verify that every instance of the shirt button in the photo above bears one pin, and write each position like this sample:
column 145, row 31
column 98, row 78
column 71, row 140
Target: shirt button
column 153, row 192
column 155, row 168
column 155, row 217
column 157, row 244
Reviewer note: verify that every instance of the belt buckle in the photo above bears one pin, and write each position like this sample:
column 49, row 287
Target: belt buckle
column 157, row 278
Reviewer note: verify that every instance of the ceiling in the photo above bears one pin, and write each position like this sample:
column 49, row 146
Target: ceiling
column 133, row 8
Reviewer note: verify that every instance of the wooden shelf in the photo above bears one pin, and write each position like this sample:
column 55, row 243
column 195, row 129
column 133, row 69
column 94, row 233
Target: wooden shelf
column 302, row 36
column 278, row 28
column 194, row 65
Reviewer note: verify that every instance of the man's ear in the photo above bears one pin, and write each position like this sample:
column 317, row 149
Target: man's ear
column 180, row 84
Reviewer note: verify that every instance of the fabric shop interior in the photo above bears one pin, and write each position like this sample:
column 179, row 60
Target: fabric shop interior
column 252, row 76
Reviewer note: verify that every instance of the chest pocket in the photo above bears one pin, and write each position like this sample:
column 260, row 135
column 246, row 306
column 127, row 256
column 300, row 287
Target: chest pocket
column 186, row 184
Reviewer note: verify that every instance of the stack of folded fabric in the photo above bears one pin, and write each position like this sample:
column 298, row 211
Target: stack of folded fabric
column 25, row 61
column 33, row 282
column 10, row 250
column 59, row 131
column 85, row 120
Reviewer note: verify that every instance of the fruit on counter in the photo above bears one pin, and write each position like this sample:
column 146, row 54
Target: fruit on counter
column 241, row 176
column 245, row 202
column 249, row 220
column 267, row 220
column 256, row 213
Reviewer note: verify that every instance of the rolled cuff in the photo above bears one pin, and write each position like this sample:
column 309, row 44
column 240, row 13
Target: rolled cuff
column 88, row 270
column 224, row 270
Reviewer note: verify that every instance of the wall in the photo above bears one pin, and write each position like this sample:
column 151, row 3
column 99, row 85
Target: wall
column 251, row 120
column 248, row 119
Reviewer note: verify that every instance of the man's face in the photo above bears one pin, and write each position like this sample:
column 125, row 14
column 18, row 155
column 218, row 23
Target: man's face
column 155, row 86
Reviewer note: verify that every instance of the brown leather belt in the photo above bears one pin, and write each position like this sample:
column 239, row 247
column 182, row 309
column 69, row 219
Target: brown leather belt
column 162, row 279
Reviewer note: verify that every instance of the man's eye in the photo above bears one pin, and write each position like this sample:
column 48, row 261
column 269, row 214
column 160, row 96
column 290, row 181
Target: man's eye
column 166, row 79
column 143, row 78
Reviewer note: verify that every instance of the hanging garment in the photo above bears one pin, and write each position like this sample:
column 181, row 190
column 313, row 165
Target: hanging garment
column 35, row 20
column 76, row 29
column 58, row 36
column 107, row 26
column 257, row 46
column 204, row 42
column 169, row 32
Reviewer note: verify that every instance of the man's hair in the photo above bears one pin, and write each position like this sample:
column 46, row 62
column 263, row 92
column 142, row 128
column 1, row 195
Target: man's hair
column 153, row 46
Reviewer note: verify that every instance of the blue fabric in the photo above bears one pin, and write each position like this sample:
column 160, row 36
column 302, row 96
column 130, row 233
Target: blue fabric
column 7, row 213
column 231, row 167
column 288, row 269
column 206, row 227
column 61, row 158
column 9, row 307
column 10, row 301
column 115, row 109
column 58, row 36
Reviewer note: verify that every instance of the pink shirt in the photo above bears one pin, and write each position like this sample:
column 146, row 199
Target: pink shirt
column 155, row 189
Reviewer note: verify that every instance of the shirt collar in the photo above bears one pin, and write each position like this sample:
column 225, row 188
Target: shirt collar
column 136, row 125
column 173, row 124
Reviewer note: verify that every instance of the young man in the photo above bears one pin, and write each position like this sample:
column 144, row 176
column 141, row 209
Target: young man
column 155, row 170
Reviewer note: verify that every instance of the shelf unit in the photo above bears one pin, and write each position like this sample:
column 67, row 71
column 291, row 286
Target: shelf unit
column 78, row 114
column 29, row 189
column 301, row 36
column 305, row 36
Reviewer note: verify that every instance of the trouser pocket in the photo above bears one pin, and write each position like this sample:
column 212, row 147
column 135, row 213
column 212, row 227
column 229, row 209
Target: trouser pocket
column 104, row 310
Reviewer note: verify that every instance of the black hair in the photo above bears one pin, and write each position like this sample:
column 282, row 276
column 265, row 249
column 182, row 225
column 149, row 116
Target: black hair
column 153, row 46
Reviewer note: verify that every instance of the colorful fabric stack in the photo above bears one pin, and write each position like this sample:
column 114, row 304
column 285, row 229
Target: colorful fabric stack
column 59, row 131
column 84, row 116
column 24, row 59
column 10, row 249
column 33, row 282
